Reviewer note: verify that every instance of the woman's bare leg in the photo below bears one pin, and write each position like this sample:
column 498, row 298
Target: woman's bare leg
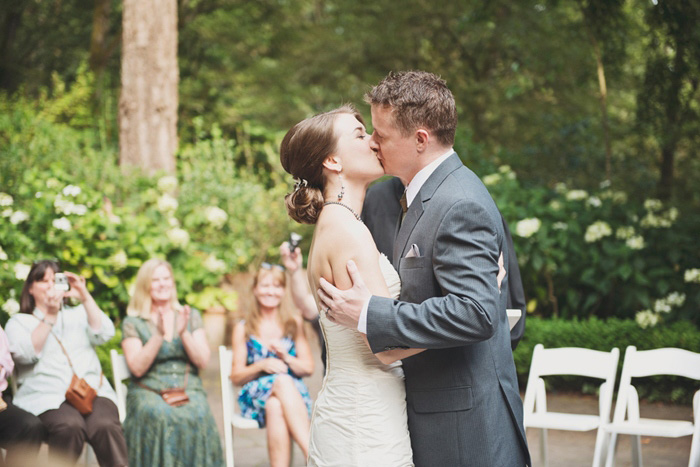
column 294, row 411
column 279, row 444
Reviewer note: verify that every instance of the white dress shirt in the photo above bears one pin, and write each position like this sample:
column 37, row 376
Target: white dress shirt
column 44, row 377
column 412, row 191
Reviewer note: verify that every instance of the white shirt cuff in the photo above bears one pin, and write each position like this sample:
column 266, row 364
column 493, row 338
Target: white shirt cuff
column 362, row 323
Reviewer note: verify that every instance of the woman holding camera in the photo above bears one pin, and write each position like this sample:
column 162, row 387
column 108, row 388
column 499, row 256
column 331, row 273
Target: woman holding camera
column 168, row 419
column 53, row 346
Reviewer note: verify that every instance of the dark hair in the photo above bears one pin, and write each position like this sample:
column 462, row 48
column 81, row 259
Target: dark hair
column 302, row 152
column 417, row 99
column 36, row 273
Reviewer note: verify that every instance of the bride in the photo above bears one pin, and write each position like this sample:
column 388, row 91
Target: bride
column 359, row 418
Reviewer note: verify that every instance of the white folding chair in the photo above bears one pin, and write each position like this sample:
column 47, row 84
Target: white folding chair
column 231, row 416
column 121, row 372
column 626, row 421
column 570, row 361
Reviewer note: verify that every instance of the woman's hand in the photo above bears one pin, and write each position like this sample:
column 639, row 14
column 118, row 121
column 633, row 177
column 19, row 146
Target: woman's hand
column 272, row 366
column 183, row 317
column 78, row 287
column 279, row 349
column 54, row 301
column 160, row 324
column 291, row 260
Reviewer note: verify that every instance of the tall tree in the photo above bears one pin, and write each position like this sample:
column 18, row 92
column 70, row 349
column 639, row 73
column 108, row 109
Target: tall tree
column 149, row 99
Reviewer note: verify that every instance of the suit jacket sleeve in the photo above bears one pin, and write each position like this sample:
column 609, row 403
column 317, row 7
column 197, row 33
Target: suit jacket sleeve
column 465, row 266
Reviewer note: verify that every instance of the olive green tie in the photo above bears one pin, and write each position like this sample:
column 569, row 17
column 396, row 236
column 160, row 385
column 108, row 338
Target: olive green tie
column 404, row 205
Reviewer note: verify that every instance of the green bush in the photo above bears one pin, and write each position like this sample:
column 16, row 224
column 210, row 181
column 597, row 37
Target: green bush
column 604, row 335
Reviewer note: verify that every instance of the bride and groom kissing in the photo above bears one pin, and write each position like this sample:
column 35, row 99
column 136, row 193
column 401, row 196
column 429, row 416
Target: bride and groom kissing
column 419, row 364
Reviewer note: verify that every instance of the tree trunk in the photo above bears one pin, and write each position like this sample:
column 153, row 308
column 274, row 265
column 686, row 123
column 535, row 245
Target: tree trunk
column 672, row 123
column 149, row 99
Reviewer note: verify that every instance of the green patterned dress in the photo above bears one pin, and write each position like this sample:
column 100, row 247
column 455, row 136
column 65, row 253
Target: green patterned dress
column 156, row 433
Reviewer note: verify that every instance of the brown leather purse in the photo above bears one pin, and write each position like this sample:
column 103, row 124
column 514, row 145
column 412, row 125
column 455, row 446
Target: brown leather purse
column 174, row 397
column 79, row 394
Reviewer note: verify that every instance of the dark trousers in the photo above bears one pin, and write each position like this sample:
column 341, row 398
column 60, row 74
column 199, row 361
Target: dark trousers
column 68, row 430
column 21, row 434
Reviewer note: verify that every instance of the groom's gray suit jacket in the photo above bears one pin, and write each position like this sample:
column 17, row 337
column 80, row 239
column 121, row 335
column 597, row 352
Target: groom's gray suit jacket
column 464, row 408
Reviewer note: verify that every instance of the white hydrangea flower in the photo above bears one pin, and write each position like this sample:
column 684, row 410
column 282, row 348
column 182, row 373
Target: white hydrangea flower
column 11, row 306
column 594, row 201
column 119, row 260
column 18, row 216
column 672, row 214
column 635, row 243
column 653, row 204
column 215, row 265
column 3, row 255
column 596, row 231
column 167, row 203
column 692, row 275
column 71, row 190
column 646, row 319
column 21, row 271
column 577, row 195
column 619, row 197
column 555, row 204
column 38, row 194
column 52, row 183
column 5, row 199
column 61, row 224
column 178, row 237
column 560, row 226
column 624, row 233
column 492, row 179
column 216, row 216
column 528, row 227
column 167, row 183
column 560, row 188
column 7, row 212
column 605, row 184
column 662, row 306
column 173, row 222
column 504, row 169
column 675, row 299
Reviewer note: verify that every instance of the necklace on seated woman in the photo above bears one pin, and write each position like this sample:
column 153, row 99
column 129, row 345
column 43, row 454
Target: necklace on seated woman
column 357, row 216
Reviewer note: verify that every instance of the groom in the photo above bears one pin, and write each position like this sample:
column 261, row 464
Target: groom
column 462, row 395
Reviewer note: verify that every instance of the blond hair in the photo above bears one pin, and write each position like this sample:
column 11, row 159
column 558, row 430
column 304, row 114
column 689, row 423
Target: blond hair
column 285, row 317
column 140, row 302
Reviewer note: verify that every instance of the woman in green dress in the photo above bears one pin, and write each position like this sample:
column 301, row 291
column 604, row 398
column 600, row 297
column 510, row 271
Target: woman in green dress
column 165, row 346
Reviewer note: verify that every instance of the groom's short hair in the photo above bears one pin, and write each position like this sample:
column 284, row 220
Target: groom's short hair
column 418, row 99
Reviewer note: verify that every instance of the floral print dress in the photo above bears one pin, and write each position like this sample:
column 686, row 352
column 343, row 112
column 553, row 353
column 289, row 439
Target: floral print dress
column 254, row 394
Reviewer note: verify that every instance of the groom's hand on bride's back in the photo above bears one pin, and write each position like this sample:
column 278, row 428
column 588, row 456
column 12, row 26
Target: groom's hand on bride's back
column 344, row 306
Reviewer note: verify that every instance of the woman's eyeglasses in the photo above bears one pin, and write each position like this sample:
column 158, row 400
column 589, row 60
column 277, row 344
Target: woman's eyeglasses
column 266, row 265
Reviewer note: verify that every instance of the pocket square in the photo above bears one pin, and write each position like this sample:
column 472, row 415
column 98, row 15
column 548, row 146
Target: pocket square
column 413, row 252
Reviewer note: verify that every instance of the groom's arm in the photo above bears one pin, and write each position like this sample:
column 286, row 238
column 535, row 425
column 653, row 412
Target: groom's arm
column 465, row 264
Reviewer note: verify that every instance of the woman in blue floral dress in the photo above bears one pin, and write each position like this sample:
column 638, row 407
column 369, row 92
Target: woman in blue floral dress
column 165, row 346
column 270, row 356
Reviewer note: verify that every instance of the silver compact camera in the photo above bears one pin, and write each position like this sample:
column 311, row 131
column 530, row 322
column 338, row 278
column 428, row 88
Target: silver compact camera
column 60, row 282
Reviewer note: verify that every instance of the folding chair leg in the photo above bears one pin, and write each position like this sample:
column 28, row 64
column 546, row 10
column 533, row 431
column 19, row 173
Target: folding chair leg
column 612, row 447
column 637, row 450
column 601, row 446
column 695, row 451
column 543, row 447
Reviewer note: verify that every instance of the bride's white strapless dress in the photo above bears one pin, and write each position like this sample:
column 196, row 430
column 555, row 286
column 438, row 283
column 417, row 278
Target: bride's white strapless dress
column 359, row 418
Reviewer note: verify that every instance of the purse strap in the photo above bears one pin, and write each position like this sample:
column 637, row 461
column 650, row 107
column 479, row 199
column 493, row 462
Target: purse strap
column 68, row 358
column 187, row 372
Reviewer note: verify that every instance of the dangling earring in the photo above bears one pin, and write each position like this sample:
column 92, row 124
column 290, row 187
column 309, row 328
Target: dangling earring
column 342, row 188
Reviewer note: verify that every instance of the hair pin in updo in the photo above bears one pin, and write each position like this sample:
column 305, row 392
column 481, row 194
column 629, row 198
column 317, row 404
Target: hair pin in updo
column 300, row 182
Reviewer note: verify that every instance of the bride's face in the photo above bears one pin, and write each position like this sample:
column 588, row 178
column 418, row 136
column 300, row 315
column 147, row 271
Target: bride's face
column 358, row 159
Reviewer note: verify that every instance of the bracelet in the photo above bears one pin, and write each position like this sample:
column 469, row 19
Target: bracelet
column 43, row 320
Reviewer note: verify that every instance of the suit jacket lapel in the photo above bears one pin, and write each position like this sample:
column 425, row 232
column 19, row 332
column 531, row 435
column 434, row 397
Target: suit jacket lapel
column 415, row 210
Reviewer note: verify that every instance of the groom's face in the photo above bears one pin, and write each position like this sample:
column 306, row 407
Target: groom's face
column 392, row 148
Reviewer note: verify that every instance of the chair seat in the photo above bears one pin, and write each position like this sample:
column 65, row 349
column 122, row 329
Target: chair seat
column 652, row 427
column 562, row 421
column 240, row 421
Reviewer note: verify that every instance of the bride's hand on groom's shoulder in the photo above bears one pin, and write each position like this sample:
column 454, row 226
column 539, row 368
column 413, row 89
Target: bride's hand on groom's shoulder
column 272, row 366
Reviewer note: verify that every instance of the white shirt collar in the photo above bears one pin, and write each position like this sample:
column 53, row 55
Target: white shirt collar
column 422, row 176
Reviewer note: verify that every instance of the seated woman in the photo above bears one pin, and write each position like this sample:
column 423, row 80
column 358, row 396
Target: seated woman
column 21, row 433
column 51, row 342
column 165, row 346
column 270, row 355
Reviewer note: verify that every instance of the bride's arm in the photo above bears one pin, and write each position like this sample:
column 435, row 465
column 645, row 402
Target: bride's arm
column 359, row 247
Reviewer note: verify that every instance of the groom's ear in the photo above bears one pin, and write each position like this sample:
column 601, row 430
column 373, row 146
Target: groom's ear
column 422, row 137
column 333, row 164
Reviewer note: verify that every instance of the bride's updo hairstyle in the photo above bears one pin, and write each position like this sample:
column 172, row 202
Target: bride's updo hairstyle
column 302, row 152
